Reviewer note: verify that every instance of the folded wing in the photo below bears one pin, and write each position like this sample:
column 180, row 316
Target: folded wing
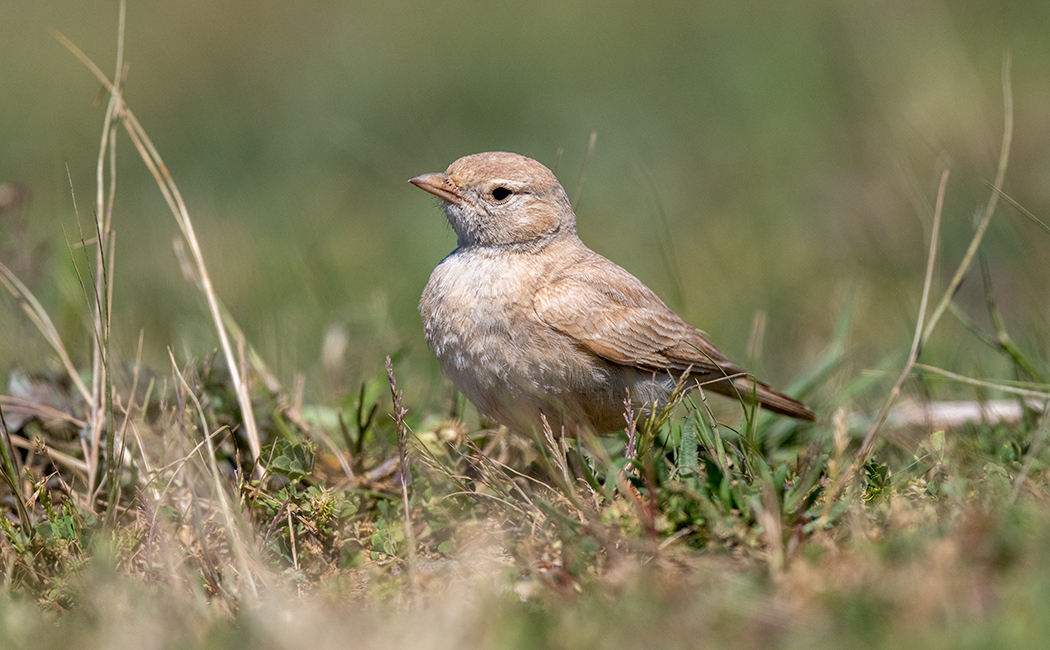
column 615, row 316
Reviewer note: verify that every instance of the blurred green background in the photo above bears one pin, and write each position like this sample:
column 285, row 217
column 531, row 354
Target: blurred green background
column 750, row 157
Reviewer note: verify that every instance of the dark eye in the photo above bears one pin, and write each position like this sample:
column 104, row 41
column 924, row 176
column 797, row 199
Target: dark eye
column 501, row 193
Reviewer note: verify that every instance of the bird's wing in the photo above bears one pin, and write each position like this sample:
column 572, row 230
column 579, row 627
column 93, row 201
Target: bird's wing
column 613, row 314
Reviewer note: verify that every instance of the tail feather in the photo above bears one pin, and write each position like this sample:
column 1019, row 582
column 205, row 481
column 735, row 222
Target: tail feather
column 752, row 390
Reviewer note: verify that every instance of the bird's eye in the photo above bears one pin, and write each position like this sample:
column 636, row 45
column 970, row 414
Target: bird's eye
column 501, row 193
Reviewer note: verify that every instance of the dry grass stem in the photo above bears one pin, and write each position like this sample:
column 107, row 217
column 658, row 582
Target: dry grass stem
column 56, row 456
column 102, row 282
column 1033, row 392
column 632, row 428
column 402, row 448
column 48, row 415
column 869, row 439
column 555, row 451
column 989, row 210
column 868, row 444
column 38, row 316
column 12, row 476
column 236, row 543
column 922, row 334
column 169, row 190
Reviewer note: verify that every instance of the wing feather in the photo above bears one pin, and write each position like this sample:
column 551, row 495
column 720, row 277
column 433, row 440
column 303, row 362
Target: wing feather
column 617, row 317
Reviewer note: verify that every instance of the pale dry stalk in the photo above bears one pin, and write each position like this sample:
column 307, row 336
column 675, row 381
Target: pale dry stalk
column 153, row 161
column 402, row 448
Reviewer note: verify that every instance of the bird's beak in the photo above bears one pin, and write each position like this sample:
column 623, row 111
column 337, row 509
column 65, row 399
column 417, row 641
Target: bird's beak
column 437, row 184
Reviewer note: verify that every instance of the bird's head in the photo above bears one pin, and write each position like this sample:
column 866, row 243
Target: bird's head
column 501, row 199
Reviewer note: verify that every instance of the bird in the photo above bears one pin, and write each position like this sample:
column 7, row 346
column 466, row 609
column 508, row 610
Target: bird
column 536, row 329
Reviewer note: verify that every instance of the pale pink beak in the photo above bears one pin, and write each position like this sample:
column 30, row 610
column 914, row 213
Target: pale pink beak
column 437, row 184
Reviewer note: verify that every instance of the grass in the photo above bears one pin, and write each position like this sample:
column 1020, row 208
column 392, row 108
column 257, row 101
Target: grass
column 204, row 504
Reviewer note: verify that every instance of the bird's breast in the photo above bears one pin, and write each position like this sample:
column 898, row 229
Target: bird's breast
column 479, row 320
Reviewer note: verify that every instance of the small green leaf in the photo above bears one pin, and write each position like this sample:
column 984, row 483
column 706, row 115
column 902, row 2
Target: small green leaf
column 45, row 530
column 292, row 460
column 688, row 452
column 937, row 441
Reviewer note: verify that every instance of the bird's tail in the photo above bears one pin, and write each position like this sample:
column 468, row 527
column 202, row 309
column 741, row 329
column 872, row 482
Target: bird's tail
column 752, row 390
